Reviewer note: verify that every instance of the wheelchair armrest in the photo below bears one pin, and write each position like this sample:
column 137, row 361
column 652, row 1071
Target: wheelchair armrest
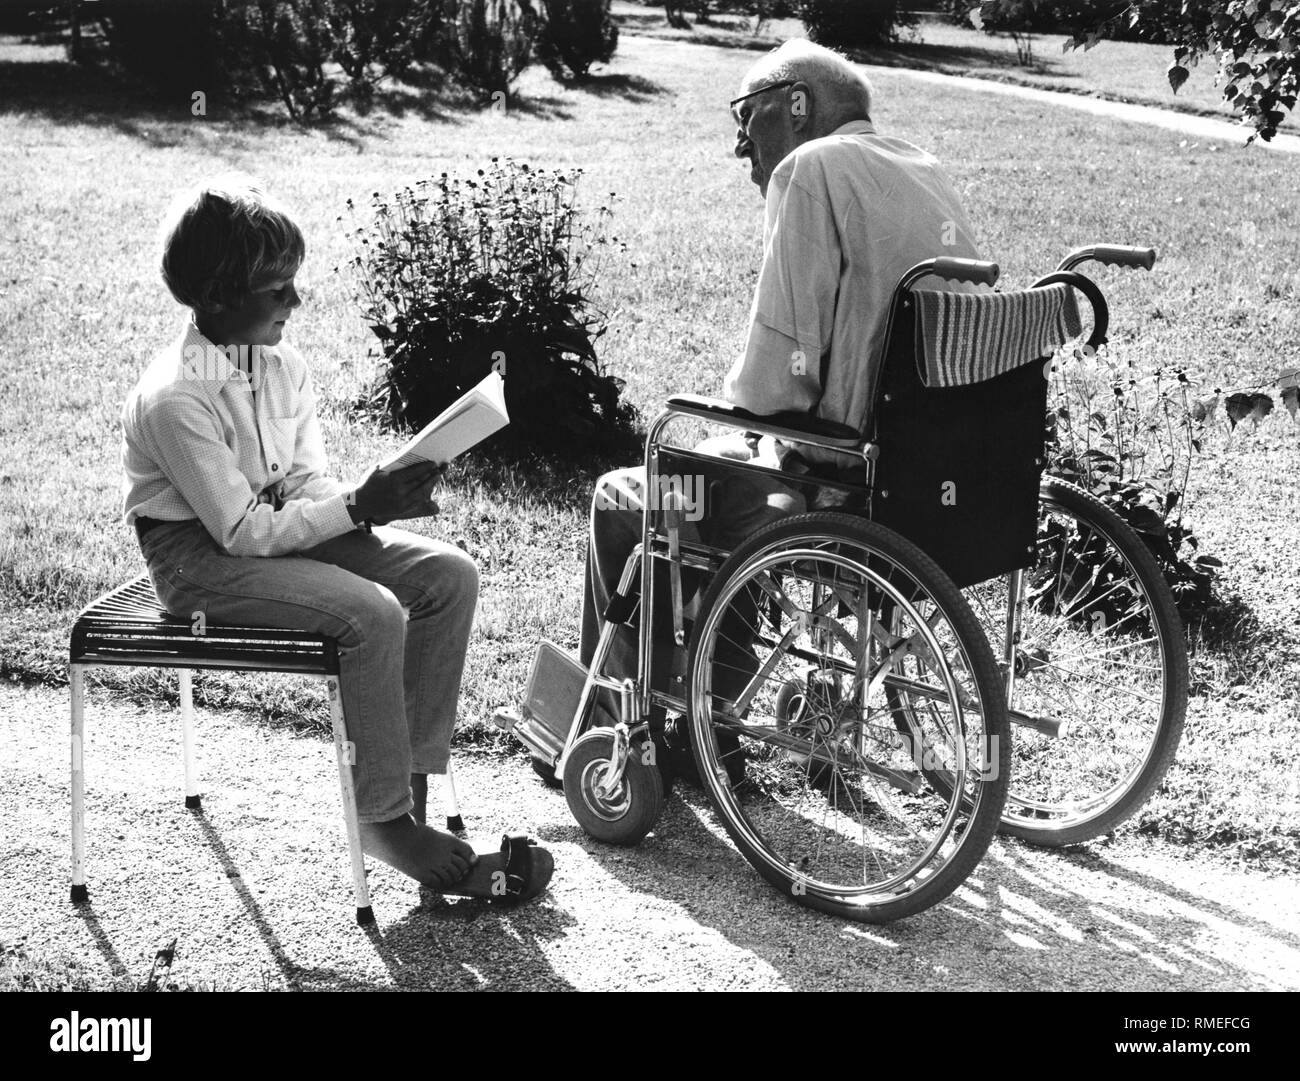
column 794, row 427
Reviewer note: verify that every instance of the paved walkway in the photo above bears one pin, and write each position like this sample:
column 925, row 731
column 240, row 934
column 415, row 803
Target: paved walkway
column 1200, row 127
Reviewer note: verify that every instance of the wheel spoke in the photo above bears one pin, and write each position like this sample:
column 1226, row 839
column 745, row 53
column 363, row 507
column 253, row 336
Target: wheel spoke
column 836, row 792
column 1099, row 647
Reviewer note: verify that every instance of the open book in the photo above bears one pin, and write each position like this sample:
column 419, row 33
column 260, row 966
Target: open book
column 470, row 419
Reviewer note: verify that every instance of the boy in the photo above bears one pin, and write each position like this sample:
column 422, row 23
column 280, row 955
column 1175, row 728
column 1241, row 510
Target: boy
column 227, row 488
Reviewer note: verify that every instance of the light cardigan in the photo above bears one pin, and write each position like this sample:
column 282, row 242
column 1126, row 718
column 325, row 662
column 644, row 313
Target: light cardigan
column 199, row 443
column 846, row 216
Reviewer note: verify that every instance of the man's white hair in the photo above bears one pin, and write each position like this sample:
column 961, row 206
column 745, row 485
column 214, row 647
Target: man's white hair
column 838, row 87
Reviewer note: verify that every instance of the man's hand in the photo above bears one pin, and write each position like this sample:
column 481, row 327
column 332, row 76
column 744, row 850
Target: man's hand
column 384, row 497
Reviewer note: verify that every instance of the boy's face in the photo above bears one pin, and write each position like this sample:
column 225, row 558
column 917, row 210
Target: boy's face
column 260, row 319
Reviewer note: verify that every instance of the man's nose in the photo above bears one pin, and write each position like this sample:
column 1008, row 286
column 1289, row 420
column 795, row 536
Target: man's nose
column 743, row 145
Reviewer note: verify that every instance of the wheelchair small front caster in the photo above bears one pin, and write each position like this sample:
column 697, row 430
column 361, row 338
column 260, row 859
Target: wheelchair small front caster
column 623, row 812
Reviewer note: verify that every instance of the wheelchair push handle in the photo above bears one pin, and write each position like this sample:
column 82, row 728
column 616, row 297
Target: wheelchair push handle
column 943, row 266
column 966, row 270
column 1111, row 255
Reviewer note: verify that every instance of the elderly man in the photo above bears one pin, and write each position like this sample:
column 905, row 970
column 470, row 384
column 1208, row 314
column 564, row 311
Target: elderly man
column 848, row 211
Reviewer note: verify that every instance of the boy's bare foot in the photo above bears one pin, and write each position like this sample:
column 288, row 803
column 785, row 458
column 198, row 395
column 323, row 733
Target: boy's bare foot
column 433, row 858
column 446, row 864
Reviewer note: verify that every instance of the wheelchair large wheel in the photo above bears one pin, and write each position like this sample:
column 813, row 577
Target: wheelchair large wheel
column 1101, row 648
column 805, row 634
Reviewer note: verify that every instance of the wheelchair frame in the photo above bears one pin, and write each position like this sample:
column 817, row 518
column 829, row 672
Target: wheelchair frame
column 638, row 698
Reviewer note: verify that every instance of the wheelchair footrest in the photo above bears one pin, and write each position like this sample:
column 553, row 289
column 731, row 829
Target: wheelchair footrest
column 551, row 699
column 540, row 740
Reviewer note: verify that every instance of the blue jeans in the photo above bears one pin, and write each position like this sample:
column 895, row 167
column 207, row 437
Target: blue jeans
column 400, row 607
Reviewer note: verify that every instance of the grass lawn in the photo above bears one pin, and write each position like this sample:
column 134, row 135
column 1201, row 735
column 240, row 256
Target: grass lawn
column 1119, row 70
column 90, row 168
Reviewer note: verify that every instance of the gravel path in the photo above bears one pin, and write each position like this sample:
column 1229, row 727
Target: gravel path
column 255, row 888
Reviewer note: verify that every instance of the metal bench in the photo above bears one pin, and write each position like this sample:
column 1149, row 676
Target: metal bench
column 127, row 627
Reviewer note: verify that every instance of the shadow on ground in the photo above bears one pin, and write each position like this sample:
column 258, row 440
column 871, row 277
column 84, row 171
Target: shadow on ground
column 96, row 93
column 1022, row 920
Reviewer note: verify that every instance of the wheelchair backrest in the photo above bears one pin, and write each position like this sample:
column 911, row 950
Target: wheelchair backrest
column 959, row 420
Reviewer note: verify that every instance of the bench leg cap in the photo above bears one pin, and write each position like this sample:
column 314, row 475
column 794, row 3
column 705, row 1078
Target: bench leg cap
column 80, row 895
column 194, row 803
column 455, row 824
column 365, row 916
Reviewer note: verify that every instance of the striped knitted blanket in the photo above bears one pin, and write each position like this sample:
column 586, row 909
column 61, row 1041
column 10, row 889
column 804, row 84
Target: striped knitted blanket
column 970, row 337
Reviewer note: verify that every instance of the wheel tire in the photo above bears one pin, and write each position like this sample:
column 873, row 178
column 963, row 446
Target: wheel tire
column 628, row 814
column 546, row 772
column 771, row 815
column 1069, row 790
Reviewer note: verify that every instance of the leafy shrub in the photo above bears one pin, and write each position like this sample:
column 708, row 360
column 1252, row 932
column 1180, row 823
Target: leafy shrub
column 286, row 45
column 378, row 39
column 1130, row 438
column 487, row 43
column 1115, row 20
column 764, row 11
column 462, row 276
column 853, row 24
column 576, row 34
column 279, row 49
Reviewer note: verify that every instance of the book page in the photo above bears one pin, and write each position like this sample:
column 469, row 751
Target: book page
column 470, row 419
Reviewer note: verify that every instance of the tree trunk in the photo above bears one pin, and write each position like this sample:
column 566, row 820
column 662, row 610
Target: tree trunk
column 74, row 31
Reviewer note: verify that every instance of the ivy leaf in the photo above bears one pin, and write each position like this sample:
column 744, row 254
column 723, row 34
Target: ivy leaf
column 1177, row 76
column 1288, row 377
column 976, row 19
column 1261, row 405
column 1203, row 408
column 1145, row 520
column 1238, row 407
column 1291, row 399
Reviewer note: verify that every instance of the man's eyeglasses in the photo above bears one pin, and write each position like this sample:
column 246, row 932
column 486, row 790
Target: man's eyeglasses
column 761, row 90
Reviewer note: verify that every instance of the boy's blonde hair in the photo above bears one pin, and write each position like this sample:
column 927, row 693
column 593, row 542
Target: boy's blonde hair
column 224, row 239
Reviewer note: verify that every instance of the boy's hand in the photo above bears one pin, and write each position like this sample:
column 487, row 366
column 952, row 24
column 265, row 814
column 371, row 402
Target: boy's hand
column 404, row 493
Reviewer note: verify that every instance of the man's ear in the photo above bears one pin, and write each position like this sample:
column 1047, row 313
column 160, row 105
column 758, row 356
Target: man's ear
column 801, row 107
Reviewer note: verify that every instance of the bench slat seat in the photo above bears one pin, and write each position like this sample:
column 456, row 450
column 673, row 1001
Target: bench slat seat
column 127, row 626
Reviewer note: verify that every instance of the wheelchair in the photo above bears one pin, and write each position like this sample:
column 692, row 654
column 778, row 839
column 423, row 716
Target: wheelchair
column 848, row 679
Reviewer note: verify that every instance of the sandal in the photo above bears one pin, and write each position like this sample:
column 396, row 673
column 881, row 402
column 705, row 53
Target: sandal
column 528, row 869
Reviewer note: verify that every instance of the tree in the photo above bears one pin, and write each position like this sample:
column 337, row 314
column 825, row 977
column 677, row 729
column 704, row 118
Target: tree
column 1256, row 44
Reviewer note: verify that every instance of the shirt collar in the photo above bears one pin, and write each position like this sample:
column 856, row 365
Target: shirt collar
column 855, row 127
column 204, row 362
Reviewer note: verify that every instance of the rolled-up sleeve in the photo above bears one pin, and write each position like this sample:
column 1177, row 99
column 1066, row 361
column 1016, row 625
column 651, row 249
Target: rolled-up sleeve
column 184, row 436
column 793, row 313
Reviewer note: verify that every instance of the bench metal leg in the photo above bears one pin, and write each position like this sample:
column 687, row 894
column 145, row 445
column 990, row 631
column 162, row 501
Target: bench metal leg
column 193, row 798
column 346, row 755
column 454, row 822
column 77, row 681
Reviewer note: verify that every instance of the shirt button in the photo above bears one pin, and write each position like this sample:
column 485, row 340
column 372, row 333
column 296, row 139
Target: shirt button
column 275, row 468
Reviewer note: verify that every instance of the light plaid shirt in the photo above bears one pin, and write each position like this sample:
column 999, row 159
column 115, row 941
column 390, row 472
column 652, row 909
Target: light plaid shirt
column 245, row 457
